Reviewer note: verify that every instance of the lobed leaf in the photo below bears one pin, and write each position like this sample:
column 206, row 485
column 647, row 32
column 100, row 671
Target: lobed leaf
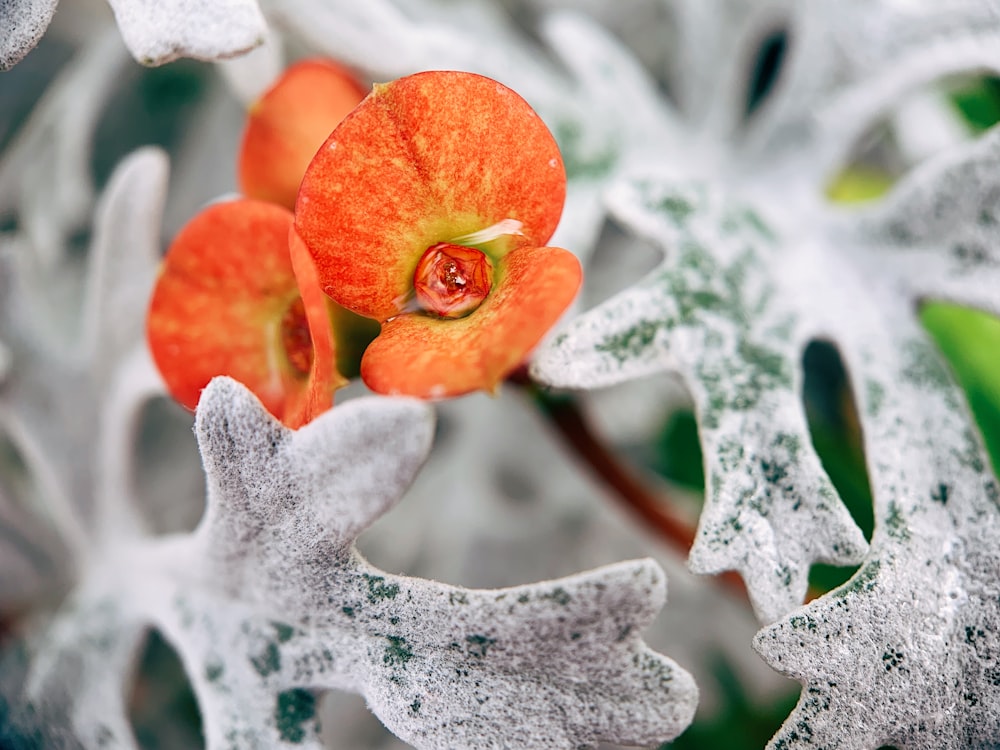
column 850, row 64
column 54, row 395
column 268, row 601
column 938, row 233
column 717, row 313
column 917, row 627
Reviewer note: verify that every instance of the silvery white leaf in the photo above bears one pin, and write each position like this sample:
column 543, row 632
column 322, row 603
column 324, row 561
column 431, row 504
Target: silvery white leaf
column 907, row 653
column 24, row 22
column 56, row 396
column 442, row 666
column 938, row 234
column 716, row 313
column 158, row 31
column 45, row 173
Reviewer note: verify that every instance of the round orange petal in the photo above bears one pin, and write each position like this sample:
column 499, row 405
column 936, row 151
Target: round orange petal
column 422, row 160
column 428, row 357
column 226, row 292
column 289, row 123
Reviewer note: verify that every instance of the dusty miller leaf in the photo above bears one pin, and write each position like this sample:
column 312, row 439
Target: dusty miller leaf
column 719, row 312
column 738, row 296
column 536, row 515
column 154, row 32
column 939, row 234
column 159, row 32
column 863, row 59
column 554, row 664
column 54, row 394
column 23, row 23
column 921, row 617
column 907, row 653
column 45, row 173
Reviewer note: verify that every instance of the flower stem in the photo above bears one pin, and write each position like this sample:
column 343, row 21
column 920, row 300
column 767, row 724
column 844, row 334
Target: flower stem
column 564, row 414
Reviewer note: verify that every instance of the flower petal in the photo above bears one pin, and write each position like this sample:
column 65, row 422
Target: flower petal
column 305, row 404
column 427, row 357
column 225, row 288
column 287, row 125
column 422, row 160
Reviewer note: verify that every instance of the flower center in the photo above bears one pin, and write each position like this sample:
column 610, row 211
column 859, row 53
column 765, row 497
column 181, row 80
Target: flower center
column 451, row 280
column 295, row 337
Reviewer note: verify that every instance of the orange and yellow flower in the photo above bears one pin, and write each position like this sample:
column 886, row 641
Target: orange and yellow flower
column 428, row 210
column 238, row 295
column 288, row 123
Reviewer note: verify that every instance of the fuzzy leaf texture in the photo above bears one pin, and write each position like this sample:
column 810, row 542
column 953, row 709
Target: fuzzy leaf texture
column 55, row 394
column 742, row 290
column 717, row 313
column 154, row 32
column 734, row 303
column 756, row 266
column 927, row 593
column 441, row 666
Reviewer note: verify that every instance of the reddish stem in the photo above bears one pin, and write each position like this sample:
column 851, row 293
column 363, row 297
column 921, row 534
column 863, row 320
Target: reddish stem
column 572, row 425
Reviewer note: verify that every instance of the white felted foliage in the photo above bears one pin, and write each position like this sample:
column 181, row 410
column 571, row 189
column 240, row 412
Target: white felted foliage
column 268, row 600
column 734, row 303
column 905, row 654
column 55, row 394
column 22, row 23
column 73, row 411
column 45, row 172
column 922, row 616
column 158, row 31
column 718, row 314
column 536, row 515
column 939, row 233
column 155, row 31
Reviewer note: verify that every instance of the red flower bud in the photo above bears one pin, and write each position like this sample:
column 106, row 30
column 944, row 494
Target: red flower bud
column 451, row 280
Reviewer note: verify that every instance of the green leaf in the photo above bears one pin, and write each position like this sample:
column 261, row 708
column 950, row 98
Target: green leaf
column 970, row 340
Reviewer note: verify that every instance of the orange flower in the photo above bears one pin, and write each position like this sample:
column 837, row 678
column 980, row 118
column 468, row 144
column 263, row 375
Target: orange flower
column 289, row 123
column 238, row 295
column 428, row 209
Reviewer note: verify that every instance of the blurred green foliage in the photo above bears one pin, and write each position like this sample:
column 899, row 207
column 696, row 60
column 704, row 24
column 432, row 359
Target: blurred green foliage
column 740, row 723
column 152, row 106
column 970, row 341
column 162, row 707
column 678, row 452
column 978, row 101
column 859, row 183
